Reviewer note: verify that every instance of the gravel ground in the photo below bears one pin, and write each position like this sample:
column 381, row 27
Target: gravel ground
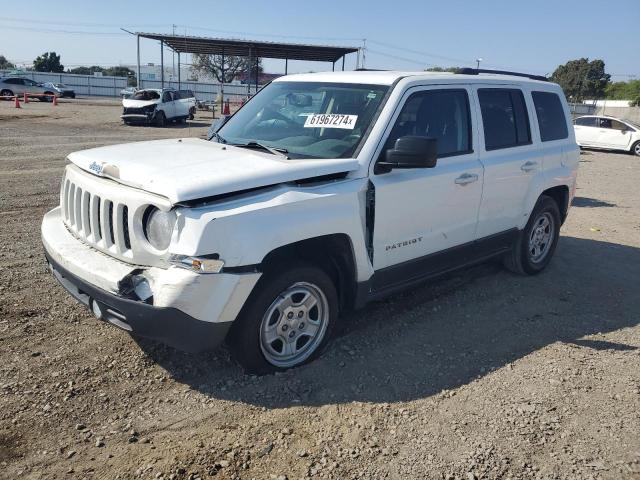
column 482, row 374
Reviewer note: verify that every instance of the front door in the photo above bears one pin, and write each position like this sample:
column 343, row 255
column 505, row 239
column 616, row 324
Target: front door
column 420, row 212
column 613, row 134
column 167, row 105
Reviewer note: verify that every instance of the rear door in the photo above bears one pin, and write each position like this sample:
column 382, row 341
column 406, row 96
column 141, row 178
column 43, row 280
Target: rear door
column 509, row 157
column 586, row 129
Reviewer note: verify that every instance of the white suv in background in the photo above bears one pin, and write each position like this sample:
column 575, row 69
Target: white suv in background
column 324, row 192
column 607, row 133
column 157, row 107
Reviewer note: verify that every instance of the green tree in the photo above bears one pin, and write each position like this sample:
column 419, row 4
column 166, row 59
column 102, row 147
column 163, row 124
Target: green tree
column 48, row 62
column 233, row 65
column 623, row 90
column 5, row 64
column 582, row 78
column 85, row 70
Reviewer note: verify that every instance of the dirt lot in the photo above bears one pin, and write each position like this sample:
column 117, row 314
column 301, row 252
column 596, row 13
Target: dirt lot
column 481, row 375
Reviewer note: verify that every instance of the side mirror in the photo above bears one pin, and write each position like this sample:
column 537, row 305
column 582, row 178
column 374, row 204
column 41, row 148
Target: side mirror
column 411, row 152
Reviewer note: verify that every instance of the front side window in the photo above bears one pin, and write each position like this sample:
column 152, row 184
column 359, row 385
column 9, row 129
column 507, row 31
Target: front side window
column 505, row 118
column 307, row 119
column 616, row 125
column 30, row 83
column 440, row 114
column 551, row 119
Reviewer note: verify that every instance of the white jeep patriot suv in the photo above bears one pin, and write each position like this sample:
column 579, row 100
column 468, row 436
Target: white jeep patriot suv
column 323, row 192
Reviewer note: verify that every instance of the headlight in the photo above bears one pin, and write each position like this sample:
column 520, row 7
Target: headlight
column 158, row 227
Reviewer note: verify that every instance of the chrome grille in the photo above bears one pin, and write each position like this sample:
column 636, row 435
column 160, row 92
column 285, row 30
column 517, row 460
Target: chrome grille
column 98, row 221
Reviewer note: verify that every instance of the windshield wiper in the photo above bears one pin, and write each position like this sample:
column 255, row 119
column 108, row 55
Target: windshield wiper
column 218, row 136
column 273, row 150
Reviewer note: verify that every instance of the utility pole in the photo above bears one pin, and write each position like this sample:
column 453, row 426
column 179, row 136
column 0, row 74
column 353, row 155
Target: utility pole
column 173, row 56
column 364, row 50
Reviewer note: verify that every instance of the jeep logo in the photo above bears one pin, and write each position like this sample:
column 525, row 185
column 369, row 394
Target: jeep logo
column 95, row 168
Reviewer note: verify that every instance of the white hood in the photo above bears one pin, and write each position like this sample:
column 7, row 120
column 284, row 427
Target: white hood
column 130, row 103
column 191, row 168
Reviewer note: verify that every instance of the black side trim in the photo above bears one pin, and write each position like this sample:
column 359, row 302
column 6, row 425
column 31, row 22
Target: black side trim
column 167, row 325
column 398, row 277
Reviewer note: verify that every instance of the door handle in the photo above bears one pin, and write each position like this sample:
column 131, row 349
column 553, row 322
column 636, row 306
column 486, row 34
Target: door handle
column 466, row 178
column 529, row 166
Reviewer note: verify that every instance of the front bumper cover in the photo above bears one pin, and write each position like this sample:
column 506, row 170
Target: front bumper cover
column 164, row 324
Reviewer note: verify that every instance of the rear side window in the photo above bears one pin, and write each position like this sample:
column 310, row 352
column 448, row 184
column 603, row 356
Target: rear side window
column 586, row 121
column 551, row 119
column 505, row 118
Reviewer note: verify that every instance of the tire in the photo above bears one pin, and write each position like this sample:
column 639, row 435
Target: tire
column 46, row 98
column 535, row 246
column 73, row 95
column 192, row 113
column 6, row 93
column 160, row 119
column 636, row 149
column 274, row 321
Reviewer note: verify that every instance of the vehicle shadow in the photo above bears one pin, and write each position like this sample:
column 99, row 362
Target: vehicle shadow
column 442, row 335
column 590, row 202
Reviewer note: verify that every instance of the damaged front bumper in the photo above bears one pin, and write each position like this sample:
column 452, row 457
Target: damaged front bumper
column 183, row 309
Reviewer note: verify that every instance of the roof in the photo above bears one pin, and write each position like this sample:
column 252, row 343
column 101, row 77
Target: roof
column 219, row 46
column 384, row 77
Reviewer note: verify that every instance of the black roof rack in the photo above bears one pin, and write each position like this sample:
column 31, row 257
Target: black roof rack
column 476, row 71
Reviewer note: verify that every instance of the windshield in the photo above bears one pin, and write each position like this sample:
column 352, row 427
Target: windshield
column 305, row 119
column 633, row 124
column 145, row 95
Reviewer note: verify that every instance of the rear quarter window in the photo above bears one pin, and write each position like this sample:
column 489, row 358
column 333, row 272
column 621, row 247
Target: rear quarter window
column 551, row 119
column 504, row 118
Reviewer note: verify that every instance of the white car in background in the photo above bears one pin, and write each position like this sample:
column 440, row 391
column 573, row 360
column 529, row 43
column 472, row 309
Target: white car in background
column 607, row 133
column 158, row 106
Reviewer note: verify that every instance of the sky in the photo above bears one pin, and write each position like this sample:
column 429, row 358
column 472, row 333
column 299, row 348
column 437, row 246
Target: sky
column 533, row 36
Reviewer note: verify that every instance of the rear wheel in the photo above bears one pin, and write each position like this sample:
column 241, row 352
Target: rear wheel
column 532, row 252
column 287, row 320
column 192, row 113
column 6, row 93
column 636, row 149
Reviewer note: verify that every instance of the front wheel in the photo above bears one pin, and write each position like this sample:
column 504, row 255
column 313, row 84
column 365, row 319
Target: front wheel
column 6, row 93
column 636, row 149
column 160, row 119
column 532, row 252
column 287, row 320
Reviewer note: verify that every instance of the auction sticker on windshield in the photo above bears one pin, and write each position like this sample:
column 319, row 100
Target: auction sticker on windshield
column 331, row 120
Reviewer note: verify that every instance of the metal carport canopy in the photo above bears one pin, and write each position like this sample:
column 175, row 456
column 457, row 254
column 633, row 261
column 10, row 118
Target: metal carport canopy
column 220, row 46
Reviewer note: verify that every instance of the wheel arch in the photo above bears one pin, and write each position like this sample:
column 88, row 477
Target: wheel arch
column 333, row 253
column 560, row 194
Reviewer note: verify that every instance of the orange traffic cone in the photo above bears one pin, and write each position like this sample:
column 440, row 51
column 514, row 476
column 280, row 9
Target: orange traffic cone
column 26, row 98
column 55, row 100
column 17, row 104
column 226, row 110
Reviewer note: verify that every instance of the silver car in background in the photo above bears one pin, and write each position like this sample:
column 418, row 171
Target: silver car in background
column 61, row 89
column 10, row 86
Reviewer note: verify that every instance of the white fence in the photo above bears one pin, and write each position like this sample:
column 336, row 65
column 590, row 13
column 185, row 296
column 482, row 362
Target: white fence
column 82, row 84
column 111, row 86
